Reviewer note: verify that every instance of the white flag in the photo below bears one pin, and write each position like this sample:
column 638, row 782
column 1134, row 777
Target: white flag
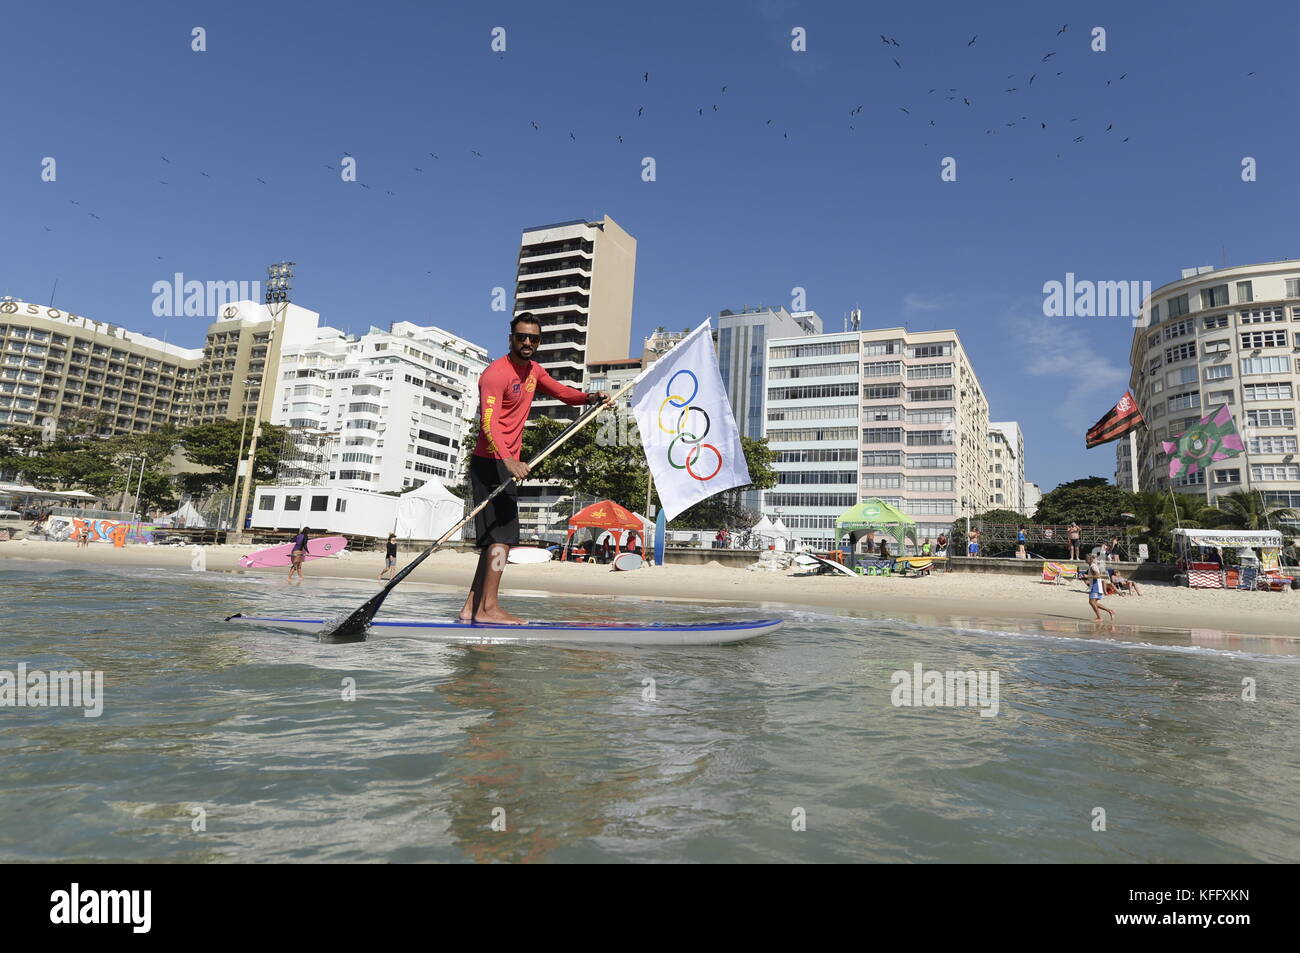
column 687, row 429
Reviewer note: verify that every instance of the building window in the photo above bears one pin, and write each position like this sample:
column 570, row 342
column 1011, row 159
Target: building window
column 1275, row 474
column 929, row 394
column 1265, row 365
column 1272, row 445
column 1190, row 479
column 929, row 372
column 293, row 502
column 1182, row 375
column 929, row 438
column 1180, row 352
column 882, row 413
column 1179, row 330
column 882, row 391
column 1187, row 401
column 1178, row 306
column 1255, row 339
column 1273, row 417
column 882, row 481
column 266, row 502
column 882, row 458
column 882, row 434
column 340, row 506
column 1215, row 297
column 876, row 348
column 1293, row 287
column 1245, row 292
column 1261, row 315
column 1218, row 397
column 1227, row 476
column 883, row 369
column 1267, row 392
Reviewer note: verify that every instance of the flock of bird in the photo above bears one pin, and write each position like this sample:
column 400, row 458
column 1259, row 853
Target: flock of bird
column 966, row 98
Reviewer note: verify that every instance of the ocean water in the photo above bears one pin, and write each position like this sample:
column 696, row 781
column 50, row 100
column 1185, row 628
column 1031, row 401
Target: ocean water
column 225, row 744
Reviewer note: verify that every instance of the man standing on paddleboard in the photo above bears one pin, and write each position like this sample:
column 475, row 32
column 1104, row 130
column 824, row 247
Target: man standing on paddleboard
column 505, row 393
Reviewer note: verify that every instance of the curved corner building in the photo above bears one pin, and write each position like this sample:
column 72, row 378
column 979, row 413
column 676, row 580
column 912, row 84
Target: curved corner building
column 1222, row 336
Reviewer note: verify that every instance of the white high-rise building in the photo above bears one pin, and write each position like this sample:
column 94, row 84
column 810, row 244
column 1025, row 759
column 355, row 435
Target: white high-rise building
column 395, row 404
column 891, row 414
column 1222, row 337
column 1006, row 467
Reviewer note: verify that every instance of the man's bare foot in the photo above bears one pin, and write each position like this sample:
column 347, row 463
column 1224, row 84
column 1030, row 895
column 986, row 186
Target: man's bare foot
column 498, row 616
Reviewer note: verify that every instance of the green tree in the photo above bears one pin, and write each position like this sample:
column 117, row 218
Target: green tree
column 216, row 446
column 1091, row 501
column 1242, row 510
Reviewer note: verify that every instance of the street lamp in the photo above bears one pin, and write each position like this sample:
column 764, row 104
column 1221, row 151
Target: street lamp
column 279, row 282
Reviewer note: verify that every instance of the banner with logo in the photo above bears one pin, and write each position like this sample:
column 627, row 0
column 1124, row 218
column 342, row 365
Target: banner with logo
column 1122, row 418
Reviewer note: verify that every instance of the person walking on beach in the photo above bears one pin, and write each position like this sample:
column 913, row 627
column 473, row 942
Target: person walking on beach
column 298, row 553
column 1073, row 531
column 505, row 392
column 1020, row 543
column 390, row 556
column 1097, row 589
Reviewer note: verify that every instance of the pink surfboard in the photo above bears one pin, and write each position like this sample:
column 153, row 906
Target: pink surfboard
column 279, row 555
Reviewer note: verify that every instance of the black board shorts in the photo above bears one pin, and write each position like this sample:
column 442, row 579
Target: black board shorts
column 499, row 521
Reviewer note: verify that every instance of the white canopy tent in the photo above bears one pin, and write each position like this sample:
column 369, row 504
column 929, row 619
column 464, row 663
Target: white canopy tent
column 427, row 512
column 781, row 533
column 1229, row 537
column 186, row 512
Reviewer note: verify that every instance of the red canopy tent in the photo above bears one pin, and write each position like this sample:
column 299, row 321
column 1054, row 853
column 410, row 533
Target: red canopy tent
column 604, row 515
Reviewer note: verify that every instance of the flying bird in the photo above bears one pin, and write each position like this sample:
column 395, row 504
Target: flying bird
column 884, row 39
column 1031, row 78
column 904, row 110
column 534, row 125
column 573, row 137
column 163, row 182
column 715, row 107
column 620, row 138
column 895, row 42
column 1110, row 127
column 165, row 159
column 1061, row 30
column 1078, row 138
column 898, row 64
column 204, row 174
column 263, row 181
column 477, row 153
column 768, row 123
column 724, row 89
column 1048, row 56
column 433, row 155
column 94, row 216
column 973, row 39
column 965, row 100
column 1122, row 75
column 640, row 110
column 646, row 76
column 1011, row 90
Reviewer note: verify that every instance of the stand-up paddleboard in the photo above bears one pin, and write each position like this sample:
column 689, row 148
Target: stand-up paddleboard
column 597, row 633
column 624, row 562
column 275, row 556
column 528, row 554
column 816, row 566
column 661, row 531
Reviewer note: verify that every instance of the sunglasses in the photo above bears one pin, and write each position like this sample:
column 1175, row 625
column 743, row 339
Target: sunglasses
column 525, row 338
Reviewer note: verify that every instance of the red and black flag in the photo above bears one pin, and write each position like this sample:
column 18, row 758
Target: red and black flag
column 1122, row 418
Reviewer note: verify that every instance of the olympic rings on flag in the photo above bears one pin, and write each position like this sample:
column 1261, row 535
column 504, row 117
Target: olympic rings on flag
column 696, row 441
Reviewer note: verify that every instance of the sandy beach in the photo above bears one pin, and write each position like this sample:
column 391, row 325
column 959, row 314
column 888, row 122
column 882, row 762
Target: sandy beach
column 949, row 595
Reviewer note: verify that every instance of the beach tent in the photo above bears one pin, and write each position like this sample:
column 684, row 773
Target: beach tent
column 782, row 535
column 188, row 513
column 879, row 516
column 427, row 512
column 606, row 515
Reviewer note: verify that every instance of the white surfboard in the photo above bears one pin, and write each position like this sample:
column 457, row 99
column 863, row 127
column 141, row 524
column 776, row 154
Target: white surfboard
column 529, row 554
column 628, row 561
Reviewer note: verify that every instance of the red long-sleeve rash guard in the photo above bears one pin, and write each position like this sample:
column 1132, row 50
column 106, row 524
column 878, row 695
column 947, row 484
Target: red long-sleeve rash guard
column 505, row 396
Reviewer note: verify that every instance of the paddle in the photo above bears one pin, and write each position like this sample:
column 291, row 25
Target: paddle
column 353, row 628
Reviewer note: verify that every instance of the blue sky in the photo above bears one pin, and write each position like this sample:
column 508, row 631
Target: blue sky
column 742, row 210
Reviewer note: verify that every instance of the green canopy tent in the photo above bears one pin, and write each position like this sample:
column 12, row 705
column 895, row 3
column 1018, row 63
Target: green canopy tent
column 878, row 516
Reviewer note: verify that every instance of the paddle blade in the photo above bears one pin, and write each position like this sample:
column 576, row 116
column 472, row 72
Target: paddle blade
column 353, row 626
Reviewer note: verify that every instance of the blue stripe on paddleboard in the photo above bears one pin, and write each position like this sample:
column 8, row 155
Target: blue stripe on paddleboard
column 545, row 626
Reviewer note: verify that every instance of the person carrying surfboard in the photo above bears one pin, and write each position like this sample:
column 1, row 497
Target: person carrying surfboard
column 506, row 390
column 298, row 553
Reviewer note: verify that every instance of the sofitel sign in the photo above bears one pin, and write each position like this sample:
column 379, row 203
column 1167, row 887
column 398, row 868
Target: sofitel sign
column 26, row 308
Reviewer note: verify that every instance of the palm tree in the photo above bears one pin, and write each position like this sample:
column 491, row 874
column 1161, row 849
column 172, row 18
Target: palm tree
column 1158, row 513
column 1242, row 510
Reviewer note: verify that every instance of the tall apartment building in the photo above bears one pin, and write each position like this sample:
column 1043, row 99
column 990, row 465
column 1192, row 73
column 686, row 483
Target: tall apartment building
column 1220, row 337
column 741, row 339
column 61, row 366
column 385, row 411
column 244, row 346
column 577, row 278
column 1006, row 466
column 1033, row 494
column 890, row 413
